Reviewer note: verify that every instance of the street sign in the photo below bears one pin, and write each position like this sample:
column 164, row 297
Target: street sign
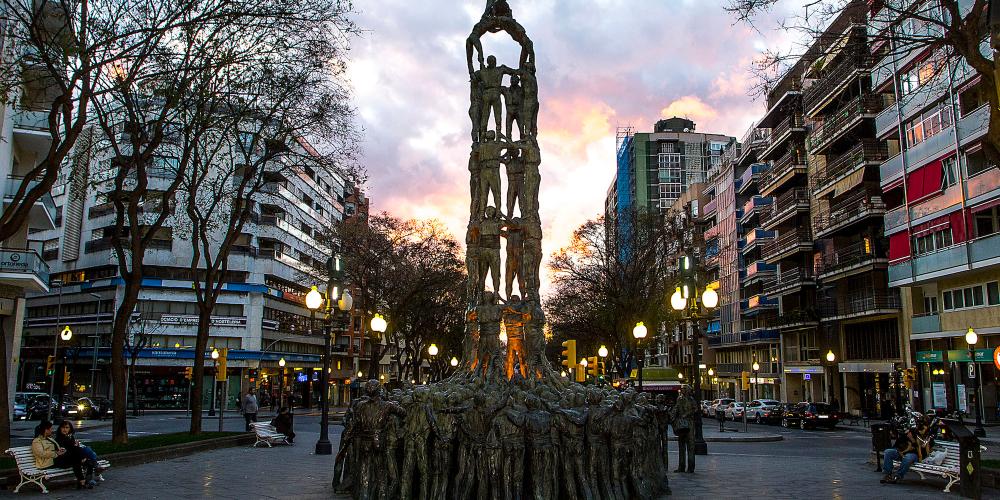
column 972, row 370
column 996, row 358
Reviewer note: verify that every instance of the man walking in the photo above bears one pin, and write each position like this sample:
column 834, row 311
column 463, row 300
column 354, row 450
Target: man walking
column 683, row 415
column 250, row 408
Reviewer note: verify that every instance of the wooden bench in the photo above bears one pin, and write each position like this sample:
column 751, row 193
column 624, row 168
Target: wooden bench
column 30, row 474
column 267, row 434
column 949, row 468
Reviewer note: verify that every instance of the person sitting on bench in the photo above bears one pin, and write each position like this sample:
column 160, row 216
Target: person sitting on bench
column 49, row 454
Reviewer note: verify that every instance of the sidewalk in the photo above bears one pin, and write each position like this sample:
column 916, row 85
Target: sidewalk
column 758, row 433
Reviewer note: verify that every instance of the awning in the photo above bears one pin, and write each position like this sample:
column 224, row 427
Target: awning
column 849, row 183
column 985, row 206
column 867, row 367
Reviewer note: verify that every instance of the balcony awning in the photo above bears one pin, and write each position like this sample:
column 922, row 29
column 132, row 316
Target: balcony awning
column 985, row 206
column 848, row 183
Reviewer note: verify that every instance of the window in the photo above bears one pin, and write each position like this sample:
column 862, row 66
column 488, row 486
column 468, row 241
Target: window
column 931, row 242
column 930, row 304
column 668, row 147
column 987, row 221
column 972, row 296
column 928, row 124
column 949, row 172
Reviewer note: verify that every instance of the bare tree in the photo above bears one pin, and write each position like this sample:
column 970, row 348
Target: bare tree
column 957, row 36
column 610, row 277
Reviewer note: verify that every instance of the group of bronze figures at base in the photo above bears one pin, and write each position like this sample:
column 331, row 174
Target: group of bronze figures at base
column 463, row 439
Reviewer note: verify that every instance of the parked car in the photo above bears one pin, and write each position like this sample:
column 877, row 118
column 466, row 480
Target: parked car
column 718, row 404
column 86, row 408
column 779, row 411
column 810, row 416
column 759, row 410
column 735, row 410
column 704, row 407
column 104, row 406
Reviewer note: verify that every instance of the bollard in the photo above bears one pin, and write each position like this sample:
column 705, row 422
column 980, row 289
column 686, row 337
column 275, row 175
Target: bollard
column 970, row 482
column 881, row 441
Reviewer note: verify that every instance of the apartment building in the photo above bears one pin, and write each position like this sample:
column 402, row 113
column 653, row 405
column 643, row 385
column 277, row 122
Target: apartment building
column 942, row 219
column 261, row 318
column 24, row 142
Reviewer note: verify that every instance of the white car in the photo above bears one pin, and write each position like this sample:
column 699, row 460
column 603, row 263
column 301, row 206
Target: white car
column 735, row 411
column 718, row 405
column 759, row 410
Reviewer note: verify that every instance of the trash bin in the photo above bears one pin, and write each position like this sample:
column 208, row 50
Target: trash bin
column 881, row 440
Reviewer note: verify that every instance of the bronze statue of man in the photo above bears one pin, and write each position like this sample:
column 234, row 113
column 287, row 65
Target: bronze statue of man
column 489, row 248
column 513, row 96
column 514, row 233
column 488, row 315
column 490, row 152
column 514, row 318
column 531, row 253
column 529, row 86
column 491, row 77
column 476, row 104
column 514, row 161
column 418, row 424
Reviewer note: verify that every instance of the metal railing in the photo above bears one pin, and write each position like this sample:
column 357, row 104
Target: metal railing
column 23, row 261
column 857, row 253
column 838, row 120
column 786, row 241
column 861, row 303
column 791, row 121
column 782, row 166
column 868, row 150
column 855, row 208
column 797, row 317
column 786, row 201
column 834, row 79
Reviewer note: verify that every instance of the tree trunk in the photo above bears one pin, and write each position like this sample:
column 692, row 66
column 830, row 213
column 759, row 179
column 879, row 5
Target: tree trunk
column 119, row 427
column 198, row 373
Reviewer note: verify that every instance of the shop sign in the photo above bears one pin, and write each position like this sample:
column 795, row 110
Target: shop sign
column 962, row 355
column 192, row 320
column 804, row 369
column 930, row 356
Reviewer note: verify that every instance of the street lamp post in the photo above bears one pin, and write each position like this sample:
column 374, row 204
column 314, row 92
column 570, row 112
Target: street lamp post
column 639, row 332
column 97, row 343
column 378, row 325
column 831, row 358
column 679, row 302
column 66, row 334
column 972, row 338
column 281, row 383
column 215, row 367
column 433, row 351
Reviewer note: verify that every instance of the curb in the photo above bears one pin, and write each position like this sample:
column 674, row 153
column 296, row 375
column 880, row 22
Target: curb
column 769, row 438
column 138, row 457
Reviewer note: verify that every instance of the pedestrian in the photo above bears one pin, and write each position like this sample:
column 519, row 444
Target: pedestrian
column 909, row 448
column 283, row 423
column 835, row 403
column 249, row 408
column 66, row 438
column 682, row 418
column 720, row 415
column 47, row 454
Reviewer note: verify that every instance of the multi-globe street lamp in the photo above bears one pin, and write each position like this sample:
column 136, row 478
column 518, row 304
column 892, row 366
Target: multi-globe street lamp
column 66, row 335
column 972, row 338
column 679, row 302
column 640, row 332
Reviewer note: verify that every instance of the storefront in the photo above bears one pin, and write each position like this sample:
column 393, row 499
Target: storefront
column 804, row 383
column 871, row 388
column 945, row 382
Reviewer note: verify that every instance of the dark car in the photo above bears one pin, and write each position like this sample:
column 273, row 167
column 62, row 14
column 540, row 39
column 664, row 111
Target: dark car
column 85, row 408
column 39, row 407
column 810, row 416
column 103, row 406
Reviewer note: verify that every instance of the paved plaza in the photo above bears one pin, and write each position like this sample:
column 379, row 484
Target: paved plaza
column 804, row 464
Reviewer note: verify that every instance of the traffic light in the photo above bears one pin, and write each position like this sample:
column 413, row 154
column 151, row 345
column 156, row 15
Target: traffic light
column 569, row 355
column 220, row 372
column 65, row 377
column 745, row 378
column 593, row 366
column 50, row 365
column 188, row 372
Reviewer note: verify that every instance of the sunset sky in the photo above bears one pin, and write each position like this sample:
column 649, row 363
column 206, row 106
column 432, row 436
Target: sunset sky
column 601, row 64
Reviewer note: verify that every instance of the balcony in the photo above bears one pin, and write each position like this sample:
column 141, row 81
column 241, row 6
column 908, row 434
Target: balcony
column 926, row 323
column 711, row 207
column 755, row 205
column 103, row 244
column 31, row 133
column 835, row 80
column 785, row 206
column 755, row 238
column 858, row 256
column 786, row 167
column 975, row 254
column 790, row 280
column 841, row 121
column 713, row 232
column 861, row 304
column 848, row 212
column 787, row 244
column 23, row 269
column 758, row 270
column 799, row 318
column 751, row 176
column 782, row 132
column 759, row 335
column 865, row 153
column 758, row 304
column 42, row 214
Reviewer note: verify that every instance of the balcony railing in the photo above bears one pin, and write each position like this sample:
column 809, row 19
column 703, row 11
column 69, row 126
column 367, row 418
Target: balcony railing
column 860, row 304
column 24, row 262
column 759, row 269
column 711, row 207
column 750, row 175
column 791, row 121
column 106, row 244
column 789, row 279
column 759, row 334
column 757, row 237
column 868, row 151
column 787, row 241
column 14, row 183
column 857, row 208
column 798, row 317
column 755, row 205
column 837, row 122
column 792, row 199
column 834, row 79
column 855, row 254
column 781, row 167
column 927, row 323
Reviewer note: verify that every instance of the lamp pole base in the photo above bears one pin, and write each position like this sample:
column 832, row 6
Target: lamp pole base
column 324, row 447
column 700, row 446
